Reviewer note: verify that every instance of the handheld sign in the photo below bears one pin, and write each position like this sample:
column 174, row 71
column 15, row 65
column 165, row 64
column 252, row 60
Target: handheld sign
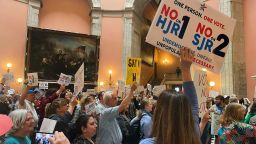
column 48, row 125
column 90, row 108
column 79, row 80
column 201, row 85
column 64, row 79
column 32, row 79
column 133, row 70
column 195, row 25
column 43, row 85
column 121, row 88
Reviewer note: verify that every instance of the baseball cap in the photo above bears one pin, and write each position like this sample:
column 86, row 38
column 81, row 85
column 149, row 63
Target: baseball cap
column 6, row 124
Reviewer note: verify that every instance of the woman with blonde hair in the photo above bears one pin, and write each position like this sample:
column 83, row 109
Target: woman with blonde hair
column 176, row 116
column 232, row 129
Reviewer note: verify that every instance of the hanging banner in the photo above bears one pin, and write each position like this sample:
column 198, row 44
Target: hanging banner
column 32, row 79
column 201, row 85
column 133, row 70
column 79, row 80
column 195, row 25
column 64, row 79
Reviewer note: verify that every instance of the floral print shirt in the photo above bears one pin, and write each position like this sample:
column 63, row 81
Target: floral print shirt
column 237, row 133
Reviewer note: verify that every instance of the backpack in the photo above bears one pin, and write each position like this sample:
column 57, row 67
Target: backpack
column 136, row 135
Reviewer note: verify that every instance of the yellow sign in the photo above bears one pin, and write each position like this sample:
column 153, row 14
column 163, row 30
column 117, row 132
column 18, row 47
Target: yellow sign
column 133, row 70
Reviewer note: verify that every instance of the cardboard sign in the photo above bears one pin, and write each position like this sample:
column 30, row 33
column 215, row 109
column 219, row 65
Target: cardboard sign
column 64, row 79
column 90, row 108
column 43, row 85
column 133, row 70
column 201, row 85
column 195, row 25
column 11, row 92
column 79, row 80
column 157, row 90
column 32, row 79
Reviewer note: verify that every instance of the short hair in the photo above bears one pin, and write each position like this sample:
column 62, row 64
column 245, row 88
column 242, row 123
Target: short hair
column 18, row 118
column 231, row 114
column 221, row 97
column 233, row 100
column 107, row 96
column 144, row 102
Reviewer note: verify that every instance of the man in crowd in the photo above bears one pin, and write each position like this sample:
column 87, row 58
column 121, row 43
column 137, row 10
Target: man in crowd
column 109, row 130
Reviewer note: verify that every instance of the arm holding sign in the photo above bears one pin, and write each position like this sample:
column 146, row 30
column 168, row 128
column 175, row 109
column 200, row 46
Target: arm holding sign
column 188, row 85
column 125, row 103
column 72, row 105
column 24, row 94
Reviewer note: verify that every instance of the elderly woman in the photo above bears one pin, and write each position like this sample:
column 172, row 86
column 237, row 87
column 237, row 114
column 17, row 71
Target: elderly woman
column 23, row 125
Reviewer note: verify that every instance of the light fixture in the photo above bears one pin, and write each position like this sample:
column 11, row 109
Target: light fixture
column 165, row 61
column 19, row 80
column 101, row 83
column 212, row 83
column 254, row 77
column 9, row 65
column 204, row 69
column 110, row 72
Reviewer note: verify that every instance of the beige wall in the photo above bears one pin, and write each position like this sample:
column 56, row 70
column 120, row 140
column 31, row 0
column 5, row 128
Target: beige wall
column 112, row 4
column 66, row 15
column 250, row 48
column 13, row 33
column 111, row 48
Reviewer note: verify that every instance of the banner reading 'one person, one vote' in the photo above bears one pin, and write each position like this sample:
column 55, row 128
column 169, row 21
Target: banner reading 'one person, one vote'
column 133, row 70
column 205, row 31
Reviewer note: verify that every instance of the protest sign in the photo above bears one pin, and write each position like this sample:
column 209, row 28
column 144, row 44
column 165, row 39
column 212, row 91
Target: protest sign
column 48, row 125
column 8, row 76
column 120, row 88
column 43, row 85
column 195, row 25
column 90, row 108
column 201, row 85
column 157, row 90
column 79, row 80
column 64, row 79
column 133, row 70
column 32, row 79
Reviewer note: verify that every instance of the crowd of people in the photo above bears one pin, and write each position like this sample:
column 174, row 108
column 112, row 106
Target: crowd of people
column 170, row 118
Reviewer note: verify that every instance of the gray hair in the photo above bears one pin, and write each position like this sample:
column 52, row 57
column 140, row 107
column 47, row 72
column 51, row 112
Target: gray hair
column 107, row 95
column 18, row 119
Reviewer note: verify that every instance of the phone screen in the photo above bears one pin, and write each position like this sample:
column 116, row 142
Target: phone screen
column 42, row 138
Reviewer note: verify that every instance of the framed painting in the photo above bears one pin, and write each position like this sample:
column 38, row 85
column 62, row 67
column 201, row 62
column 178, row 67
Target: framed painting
column 51, row 52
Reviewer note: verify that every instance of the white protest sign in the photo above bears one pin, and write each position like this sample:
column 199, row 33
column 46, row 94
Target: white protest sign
column 8, row 76
column 90, row 108
column 192, row 24
column 140, row 89
column 32, row 79
column 91, row 91
column 121, row 88
column 11, row 91
column 64, row 79
column 43, row 85
column 79, row 80
column 157, row 90
column 39, row 93
column 201, row 85
column 48, row 125
column 127, row 90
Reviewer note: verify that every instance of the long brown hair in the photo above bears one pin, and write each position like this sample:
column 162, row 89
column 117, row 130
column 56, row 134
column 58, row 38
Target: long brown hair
column 51, row 108
column 232, row 113
column 173, row 121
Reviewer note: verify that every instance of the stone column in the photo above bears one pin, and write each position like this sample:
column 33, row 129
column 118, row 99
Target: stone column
column 233, row 74
column 33, row 13
column 95, row 17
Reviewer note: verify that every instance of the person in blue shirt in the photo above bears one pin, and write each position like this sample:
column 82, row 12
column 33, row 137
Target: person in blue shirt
column 176, row 116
